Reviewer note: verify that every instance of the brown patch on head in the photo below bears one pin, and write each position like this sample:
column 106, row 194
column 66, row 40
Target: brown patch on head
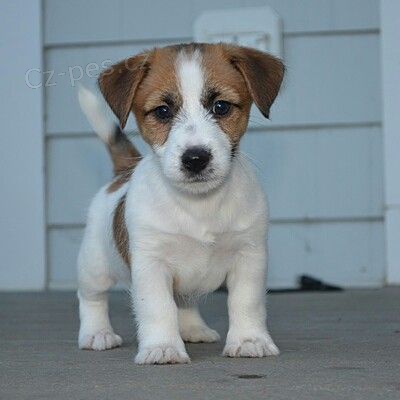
column 141, row 84
column 119, row 83
column 224, row 82
column 235, row 74
column 262, row 73
column 120, row 232
column 240, row 76
column 159, row 88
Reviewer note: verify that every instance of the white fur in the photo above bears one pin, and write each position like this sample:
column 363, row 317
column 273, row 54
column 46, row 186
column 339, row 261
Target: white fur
column 186, row 239
column 192, row 327
column 194, row 127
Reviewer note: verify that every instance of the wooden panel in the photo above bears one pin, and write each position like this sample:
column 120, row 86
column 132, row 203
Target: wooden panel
column 324, row 81
column 308, row 174
column 69, row 65
column 76, row 171
column 63, row 252
column 22, row 224
column 319, row 173
column 390, row 59
column 347, row 254
column 101, row 20
column 318, row 89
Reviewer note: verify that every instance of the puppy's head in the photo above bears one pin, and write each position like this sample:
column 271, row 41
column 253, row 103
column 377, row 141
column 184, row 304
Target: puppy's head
column 192, row 105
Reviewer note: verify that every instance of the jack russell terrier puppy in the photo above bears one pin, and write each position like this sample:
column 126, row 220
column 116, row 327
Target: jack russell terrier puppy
column 181, row 221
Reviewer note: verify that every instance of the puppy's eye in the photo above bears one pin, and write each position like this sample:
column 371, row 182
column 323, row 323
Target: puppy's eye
column 163, row 113
column 221, row 108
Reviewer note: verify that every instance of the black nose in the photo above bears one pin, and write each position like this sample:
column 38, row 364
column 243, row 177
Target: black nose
column 195, row 159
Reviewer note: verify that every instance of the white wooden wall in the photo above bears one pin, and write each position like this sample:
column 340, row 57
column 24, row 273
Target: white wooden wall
column 22, row 222
column 390, row 58
column 319, row 158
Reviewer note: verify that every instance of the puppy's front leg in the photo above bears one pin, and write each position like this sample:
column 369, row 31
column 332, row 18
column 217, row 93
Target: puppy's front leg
column 248, row 335
column 156, row 314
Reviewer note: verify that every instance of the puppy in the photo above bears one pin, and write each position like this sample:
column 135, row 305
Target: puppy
column 188, row 217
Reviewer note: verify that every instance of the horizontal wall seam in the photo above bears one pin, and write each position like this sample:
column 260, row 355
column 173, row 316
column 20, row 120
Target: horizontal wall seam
column 265, row 129
column 326, row 220
column 338, row 32
column 163, row 40
column 392, row 206
column 116, row 42
column 273, row 221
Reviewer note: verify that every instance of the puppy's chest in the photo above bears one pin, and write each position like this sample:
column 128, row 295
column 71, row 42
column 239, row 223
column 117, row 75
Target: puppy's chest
column 200, row 266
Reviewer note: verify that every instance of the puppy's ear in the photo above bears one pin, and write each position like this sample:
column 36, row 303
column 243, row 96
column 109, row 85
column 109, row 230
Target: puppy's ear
column 262, row 73
column 119, row 83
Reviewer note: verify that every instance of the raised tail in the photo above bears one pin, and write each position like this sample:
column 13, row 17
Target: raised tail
column 123, row 153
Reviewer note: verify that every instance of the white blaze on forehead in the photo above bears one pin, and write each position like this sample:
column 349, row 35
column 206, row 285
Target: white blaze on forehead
column 193, row 126
column 191, row 82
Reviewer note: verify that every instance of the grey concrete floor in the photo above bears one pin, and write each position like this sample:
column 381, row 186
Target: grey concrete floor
column 334, row 346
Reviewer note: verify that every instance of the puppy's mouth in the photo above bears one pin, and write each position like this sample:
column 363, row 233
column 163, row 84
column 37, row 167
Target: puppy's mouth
column 200, row 182
column 203, row 176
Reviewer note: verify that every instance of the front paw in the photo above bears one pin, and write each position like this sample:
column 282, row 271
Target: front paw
column 260, row 345
column 101, row 340
column 162, row 354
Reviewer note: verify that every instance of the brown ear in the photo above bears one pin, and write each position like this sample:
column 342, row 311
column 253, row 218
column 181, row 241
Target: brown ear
column 262, row 73
column 118, row 84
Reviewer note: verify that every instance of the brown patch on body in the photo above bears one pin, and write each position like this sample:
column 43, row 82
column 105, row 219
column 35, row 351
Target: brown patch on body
column 120, row 231
column 119, row 181
column 125, row 158
column 123, row 153
column 175, row 284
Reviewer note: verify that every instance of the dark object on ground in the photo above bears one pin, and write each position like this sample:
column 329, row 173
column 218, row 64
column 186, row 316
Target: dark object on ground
column 309, row 284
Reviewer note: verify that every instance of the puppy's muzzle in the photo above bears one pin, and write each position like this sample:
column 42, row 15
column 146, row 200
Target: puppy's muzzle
column 195, row 159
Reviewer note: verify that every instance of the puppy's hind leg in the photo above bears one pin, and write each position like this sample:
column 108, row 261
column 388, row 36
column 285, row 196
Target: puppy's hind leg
column 192, row 327
column 96, row 332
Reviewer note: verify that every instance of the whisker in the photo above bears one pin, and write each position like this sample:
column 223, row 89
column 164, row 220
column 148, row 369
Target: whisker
column 257, row 122
column 250, row 159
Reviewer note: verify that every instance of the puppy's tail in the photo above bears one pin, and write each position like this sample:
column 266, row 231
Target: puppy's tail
column 123, row 153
